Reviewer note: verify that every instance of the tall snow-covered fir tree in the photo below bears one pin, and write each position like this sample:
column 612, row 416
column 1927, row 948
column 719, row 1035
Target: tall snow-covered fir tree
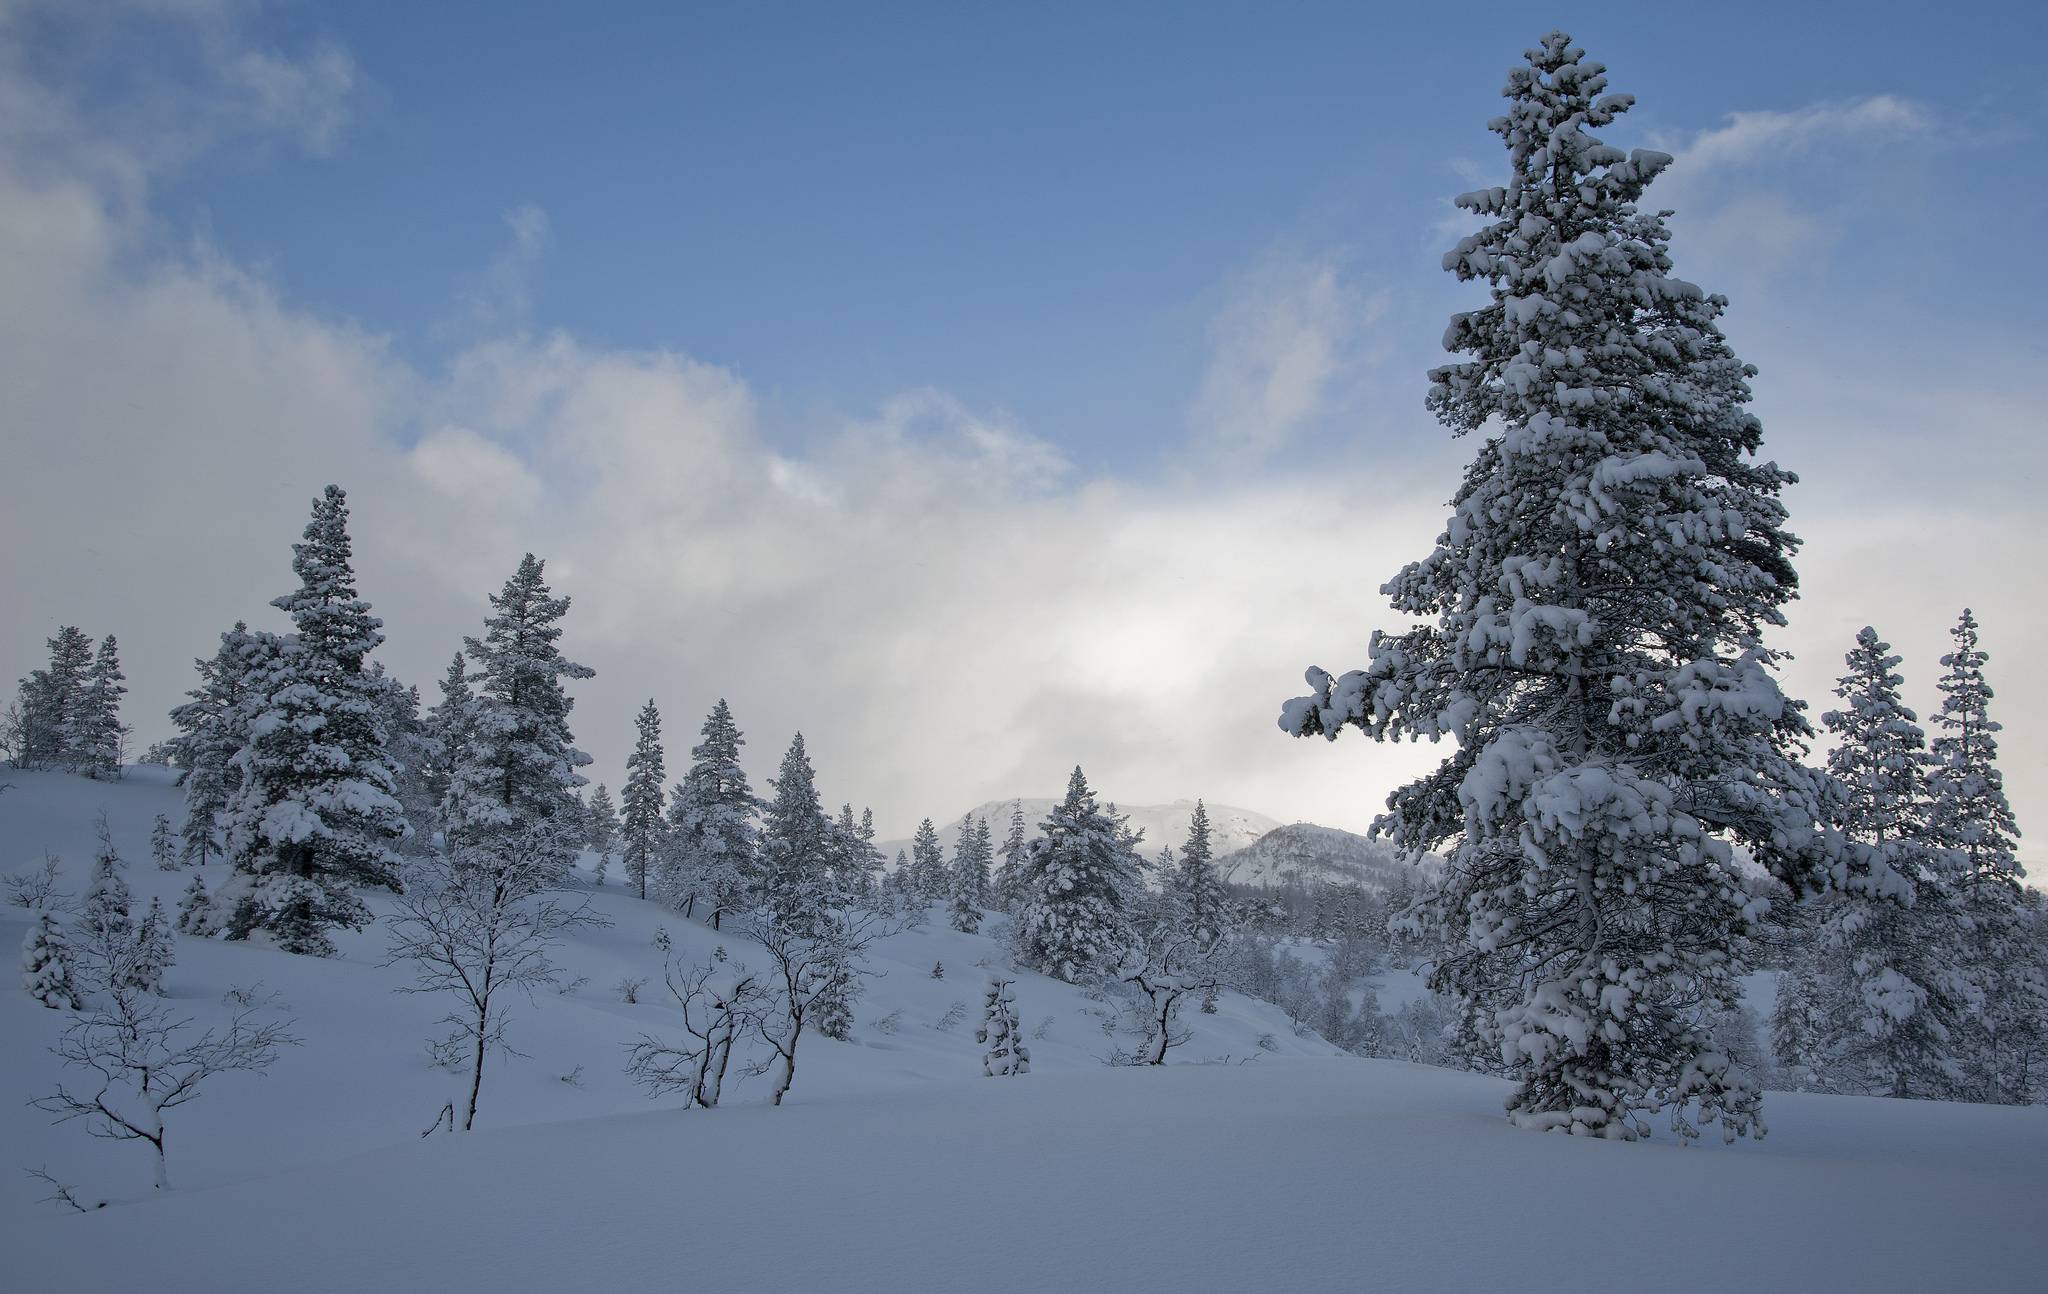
column 413, row 752
column 984, row 861
column 163, row 850
column 801, row 887
column 854, row 857
column 94, row 734
column 1079, row 877
column 517, row 764
column 1969, row 814
column 712, row 822
column 1891, row 969
column 927, row 863
column 1969, row 811
column 797, row 843
column 211, row 732
column 1010, row 875
column 314, row 813
column 1202, row 905
column 640, row 804
column 601, row 827
column 1595, row 611
column 49, row 702
column 969, row 890
column 1799, row 1026
column 447, row 723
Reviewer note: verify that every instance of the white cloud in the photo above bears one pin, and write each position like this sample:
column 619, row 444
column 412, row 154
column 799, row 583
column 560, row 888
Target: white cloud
column 1750, row 137
column 143, row 86
column 1758, row 194
column 1280, row 351
column 935, row 596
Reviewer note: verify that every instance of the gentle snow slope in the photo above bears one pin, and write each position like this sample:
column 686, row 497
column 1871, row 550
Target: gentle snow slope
column 1295, row 1175
column 361, row 1079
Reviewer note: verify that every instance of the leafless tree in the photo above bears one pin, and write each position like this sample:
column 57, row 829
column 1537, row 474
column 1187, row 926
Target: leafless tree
column 720, row 1004
column 36, row 888
column 481, row 919
column 811, row 960
column 142, row 1060
column 1168, row 965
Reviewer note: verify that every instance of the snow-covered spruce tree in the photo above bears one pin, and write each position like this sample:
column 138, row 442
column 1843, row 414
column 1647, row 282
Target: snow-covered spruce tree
column 927, row 863
column 796, row 843
column 1799, row 1027
column 1010, row 876
column 640, row 836
column 1596, row 609
column 1078, row 876
column 211, row 732
column 970, row 876
column 1202, row 905
column 49, row 701
column 1893, row 969
column 984, row 862
column 163, row 847
column 447, row 724
column 106, row 941
column 601, row 828
column 857, row 860
column 1968, row 813
column 46, row 965
column 94, row 733
column 413, row 752
column 1006, row 1055
column 154, row 951
column 711, row 822
column 518, row 761
column 314, row 814
column 195, row 909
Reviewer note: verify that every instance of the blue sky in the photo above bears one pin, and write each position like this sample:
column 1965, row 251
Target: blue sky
column 1034, row 210
column 799, row 335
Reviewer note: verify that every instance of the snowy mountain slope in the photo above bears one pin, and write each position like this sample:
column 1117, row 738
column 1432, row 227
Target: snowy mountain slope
column 1305, row 852
column 1282, row 1175
column 1230, row 828
column 361, row 1078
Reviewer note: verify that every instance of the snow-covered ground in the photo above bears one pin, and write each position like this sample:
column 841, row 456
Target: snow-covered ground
column 897, row 1167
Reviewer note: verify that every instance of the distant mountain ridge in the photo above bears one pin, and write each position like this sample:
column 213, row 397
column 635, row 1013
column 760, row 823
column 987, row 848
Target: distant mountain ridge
column 1249, row 848
column 1304, row 853
column 1230, row 828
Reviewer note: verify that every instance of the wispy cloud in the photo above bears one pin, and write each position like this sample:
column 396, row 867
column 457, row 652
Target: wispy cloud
column 1749, row 137
column 1280, row 351
column 500, row 298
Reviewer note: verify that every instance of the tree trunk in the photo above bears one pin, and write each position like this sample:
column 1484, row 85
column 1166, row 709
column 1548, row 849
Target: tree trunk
column 788, row 1066
column 476, row 1073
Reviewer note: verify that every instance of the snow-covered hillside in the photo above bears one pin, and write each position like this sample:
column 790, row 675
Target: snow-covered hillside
column 1230, row 828
column 362, row 1079
column 897, row 1167
column 1305, row 852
